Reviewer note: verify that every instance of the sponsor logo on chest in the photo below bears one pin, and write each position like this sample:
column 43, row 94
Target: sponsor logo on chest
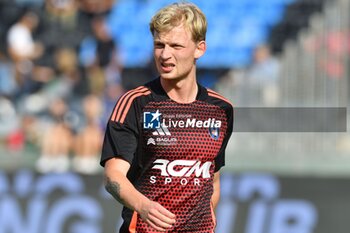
column 153, row 120
column 161, row 124
column 182, row 169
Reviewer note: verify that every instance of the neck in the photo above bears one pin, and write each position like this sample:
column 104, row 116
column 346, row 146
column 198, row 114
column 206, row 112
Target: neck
column 181, row 91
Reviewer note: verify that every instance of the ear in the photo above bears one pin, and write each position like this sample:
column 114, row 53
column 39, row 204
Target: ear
column 200, row 49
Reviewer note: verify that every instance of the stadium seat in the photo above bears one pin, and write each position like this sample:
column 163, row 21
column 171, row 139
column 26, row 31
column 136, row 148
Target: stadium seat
column 238, row 26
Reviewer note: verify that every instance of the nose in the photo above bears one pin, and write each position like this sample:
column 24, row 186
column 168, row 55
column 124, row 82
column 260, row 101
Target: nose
column 165, row 54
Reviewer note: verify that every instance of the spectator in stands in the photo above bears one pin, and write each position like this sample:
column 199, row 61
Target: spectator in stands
column 56, row 141
column 66, row 82
column 21, row 45
column 107, row 55
column 262, row 77
column 99, row 56
column 69, row 75
column 100, row 59
column 22, row 48
column 88, row 142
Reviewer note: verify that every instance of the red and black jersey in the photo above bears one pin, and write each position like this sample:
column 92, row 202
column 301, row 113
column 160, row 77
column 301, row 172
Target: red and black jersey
column 174, row 150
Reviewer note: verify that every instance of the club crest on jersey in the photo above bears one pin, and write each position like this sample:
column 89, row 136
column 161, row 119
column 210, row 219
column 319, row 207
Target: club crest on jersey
column 151, row 120
column 214, row 132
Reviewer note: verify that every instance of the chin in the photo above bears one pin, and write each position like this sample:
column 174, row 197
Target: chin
column 168, row 76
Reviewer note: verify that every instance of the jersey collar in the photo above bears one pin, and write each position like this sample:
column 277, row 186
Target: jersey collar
column 160, row 93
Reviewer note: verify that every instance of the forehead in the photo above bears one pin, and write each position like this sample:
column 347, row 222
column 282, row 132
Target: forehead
column 177, row 33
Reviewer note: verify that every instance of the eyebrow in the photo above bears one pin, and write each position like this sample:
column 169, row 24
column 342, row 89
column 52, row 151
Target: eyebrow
column 172, row 44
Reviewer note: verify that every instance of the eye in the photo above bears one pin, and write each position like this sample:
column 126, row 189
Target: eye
column 177, row 46
column 158, row 45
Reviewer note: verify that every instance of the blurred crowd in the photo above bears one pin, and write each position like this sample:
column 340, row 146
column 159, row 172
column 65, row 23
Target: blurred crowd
column 257, row 85
column 60, row 75
column 59, row 78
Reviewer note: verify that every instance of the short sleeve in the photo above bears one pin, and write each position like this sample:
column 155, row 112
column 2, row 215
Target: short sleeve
column 220, row 158
column 120, row 141
column 122, row 131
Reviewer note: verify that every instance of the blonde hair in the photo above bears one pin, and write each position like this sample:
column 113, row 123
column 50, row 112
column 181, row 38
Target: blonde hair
column 177, row 13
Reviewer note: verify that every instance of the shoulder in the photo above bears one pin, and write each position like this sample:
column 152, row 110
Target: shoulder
column 127, row 100
column 218, row 99
column 135, row 93
column 223, row 103
column 130, row 96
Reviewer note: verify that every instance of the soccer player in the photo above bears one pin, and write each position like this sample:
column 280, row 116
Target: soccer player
column 165, row 141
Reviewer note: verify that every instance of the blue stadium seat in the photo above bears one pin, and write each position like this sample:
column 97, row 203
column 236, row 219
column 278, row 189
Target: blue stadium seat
column 267, row 13
column 248, row 35
column 234, row 29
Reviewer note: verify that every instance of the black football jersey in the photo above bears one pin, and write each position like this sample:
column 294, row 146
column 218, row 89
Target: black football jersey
column 174, row 150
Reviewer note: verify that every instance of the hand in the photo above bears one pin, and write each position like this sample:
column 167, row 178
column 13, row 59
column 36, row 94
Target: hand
column 155, row 215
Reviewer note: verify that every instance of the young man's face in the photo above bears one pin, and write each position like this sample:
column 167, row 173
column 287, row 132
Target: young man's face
column 175, row 53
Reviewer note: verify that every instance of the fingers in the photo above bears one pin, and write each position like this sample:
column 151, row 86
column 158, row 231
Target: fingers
column 160, row 218
column 158, row 224
column 166, row 212
column 154, row 226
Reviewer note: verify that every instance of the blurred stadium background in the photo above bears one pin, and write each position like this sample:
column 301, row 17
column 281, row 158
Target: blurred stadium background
column 64, row 63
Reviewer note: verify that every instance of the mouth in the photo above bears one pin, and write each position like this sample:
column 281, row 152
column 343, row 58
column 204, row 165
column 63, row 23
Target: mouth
column 167, row 67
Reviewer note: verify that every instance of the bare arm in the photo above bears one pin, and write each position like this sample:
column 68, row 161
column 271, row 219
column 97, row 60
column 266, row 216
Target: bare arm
column 118, row 185
column 216, row 194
